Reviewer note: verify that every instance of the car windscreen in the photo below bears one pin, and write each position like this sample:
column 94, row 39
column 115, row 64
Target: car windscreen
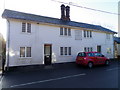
column 82, row 54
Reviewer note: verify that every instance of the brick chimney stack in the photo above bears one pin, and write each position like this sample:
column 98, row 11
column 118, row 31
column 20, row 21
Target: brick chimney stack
column 65, row 12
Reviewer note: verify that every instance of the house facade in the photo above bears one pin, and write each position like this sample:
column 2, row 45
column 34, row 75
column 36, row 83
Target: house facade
column 35, row 40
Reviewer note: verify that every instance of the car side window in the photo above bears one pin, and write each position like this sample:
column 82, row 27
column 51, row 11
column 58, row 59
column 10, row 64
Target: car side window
column 91, row 54
column 98, row 54
column 82, row 54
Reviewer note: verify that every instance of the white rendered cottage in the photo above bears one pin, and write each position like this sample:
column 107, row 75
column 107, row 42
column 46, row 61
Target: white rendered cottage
column 36, row 40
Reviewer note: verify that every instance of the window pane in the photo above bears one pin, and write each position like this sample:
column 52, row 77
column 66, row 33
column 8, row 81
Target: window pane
column 65, row 50
column 69, row 32
column 78, row 35
column 91, row 49
column 22, row 51
column 90, row 33
column 85, row 49
column 87, row 33
column 23, row 27
column 69, row 50
column 61, row 31
column 28, row 27
column 88, row 49
column 61, row 50
column 65, row 31
column 28, row 52
column 84, row 33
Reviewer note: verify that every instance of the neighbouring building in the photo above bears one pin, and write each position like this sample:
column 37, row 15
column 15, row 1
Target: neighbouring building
column 2, row 49
column 117, row 47
column 1, row 38
column 118, row 39
column 35, row 40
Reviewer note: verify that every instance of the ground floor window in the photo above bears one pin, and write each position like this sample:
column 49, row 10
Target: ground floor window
column 109, row 50
column 25, row 51
column 65, row 50
column 88, row 49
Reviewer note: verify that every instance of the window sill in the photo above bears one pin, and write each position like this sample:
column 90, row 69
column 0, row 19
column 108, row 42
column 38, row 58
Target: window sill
column 65, row 56
column 22, row 58
column 25, row 33
column 88, row 38
column 65, row 36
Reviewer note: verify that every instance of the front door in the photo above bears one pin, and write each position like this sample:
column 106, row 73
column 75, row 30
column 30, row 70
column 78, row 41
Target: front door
column 99, row 48
column 47, row 54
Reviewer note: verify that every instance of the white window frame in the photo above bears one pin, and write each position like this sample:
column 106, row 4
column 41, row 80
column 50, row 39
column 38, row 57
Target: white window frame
column 64, row 31
column 25, row 52
column 88, row 49
column 87, row 33
column 67, row 51
column 78, row 35
column 26, row 27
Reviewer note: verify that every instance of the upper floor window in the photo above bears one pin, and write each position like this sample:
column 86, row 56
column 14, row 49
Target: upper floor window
column 107, row 36
column 87, row 34
column 78, row 35
column 26, row 27
column 65, row 31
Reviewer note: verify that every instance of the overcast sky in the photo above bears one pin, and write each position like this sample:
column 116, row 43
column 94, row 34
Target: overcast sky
column 51, row 8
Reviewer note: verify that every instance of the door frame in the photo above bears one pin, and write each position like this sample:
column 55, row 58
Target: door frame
column 50, row 60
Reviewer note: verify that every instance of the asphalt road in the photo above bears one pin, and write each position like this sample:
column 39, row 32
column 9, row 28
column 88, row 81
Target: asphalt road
column 64, row 76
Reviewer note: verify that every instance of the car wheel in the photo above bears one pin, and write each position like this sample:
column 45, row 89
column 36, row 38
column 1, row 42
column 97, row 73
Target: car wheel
column 107, row 62
column 90, row 64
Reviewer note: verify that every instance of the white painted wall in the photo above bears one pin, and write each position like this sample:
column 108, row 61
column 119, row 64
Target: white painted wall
column 44, row 34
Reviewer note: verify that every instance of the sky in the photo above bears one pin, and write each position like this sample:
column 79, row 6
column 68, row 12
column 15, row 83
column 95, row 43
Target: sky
column 51, row 8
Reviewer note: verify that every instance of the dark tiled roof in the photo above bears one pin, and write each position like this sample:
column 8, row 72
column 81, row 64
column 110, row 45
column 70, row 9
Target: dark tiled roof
column 117, row 39
column 26, row 16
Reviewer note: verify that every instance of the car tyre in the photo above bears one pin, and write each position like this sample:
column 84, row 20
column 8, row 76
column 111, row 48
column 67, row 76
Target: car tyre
column 107, row 62
column 90, row 64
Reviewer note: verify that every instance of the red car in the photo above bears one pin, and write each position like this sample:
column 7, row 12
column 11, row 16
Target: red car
column 91, row 58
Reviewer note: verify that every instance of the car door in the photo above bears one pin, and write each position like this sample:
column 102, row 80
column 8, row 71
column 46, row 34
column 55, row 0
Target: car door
column 92, row 57
column 99, row 58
